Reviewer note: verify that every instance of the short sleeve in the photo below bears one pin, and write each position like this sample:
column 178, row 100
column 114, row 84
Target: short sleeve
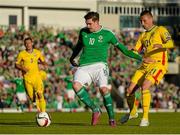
column 41, row 57
column 19, row 58
column 165, row 35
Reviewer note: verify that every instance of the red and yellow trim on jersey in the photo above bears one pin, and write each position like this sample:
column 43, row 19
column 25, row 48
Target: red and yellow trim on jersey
column 157, row 75
column 163, row 58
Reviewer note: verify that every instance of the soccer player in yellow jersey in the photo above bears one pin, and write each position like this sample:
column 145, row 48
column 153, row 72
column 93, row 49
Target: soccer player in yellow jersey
column 27, row 61
column 154, row 43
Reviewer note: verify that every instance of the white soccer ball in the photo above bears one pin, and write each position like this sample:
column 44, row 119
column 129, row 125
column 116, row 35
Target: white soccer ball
column 43, row 119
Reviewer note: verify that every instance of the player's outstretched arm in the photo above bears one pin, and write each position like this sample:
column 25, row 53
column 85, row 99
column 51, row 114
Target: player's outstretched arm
column 127, row 52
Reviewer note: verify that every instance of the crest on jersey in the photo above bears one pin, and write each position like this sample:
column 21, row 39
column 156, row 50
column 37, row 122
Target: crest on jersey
column 168, row 36
column 100, row 38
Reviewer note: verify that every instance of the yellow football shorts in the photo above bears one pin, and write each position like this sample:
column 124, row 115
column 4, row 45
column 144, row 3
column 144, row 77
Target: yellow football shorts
column 34, row 85
column 153, row 72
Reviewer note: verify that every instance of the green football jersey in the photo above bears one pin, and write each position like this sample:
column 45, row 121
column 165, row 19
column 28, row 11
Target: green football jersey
column 19, row 84
column 95, row 45
column 69, row 83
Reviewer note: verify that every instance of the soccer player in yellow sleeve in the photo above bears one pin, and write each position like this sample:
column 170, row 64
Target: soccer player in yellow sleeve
column 27, row 61
column 153, row 44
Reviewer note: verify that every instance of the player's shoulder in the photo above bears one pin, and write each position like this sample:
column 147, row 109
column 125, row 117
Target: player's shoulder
column 162, row 28
column 84, row 29
column 107, row 30
column 36, row 50
column 142, row 34
column 23, row 52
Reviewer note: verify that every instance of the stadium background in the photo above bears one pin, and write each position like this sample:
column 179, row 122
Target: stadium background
column 54, row 26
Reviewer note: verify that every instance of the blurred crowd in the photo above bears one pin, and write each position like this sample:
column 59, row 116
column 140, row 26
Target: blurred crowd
column 57, row 46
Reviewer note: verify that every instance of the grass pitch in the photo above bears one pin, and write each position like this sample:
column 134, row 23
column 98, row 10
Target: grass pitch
column 79, row 123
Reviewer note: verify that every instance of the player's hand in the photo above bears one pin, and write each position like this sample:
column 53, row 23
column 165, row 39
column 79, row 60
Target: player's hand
column 25, row 69
column 128, row 93
column 72, row 61
column 45, row 67
column 157, row 46
column 148, row 60
column 74, row 69
column 130, row 47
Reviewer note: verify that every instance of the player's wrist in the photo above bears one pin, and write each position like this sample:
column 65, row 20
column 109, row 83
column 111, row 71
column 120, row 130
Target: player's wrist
column 24, row 69
column 163, row 45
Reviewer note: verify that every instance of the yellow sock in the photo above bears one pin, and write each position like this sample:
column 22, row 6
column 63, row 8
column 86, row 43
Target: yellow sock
column 146, row 99
column 131, row 103
column 134, row 109
column 37, row 105
column 42, row 104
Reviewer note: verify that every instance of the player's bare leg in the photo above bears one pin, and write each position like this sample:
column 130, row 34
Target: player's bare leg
column 130, row 96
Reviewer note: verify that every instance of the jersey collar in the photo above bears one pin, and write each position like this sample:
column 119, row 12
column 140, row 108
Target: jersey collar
column 154, row 26
column 98, row 30
column 30, row 52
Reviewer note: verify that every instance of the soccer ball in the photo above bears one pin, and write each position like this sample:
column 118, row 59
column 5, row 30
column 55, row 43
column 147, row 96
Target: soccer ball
column 43, row 119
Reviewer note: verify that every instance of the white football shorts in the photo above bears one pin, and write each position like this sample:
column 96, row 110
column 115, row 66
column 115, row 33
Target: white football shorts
column 97, row 73
column 21, row 96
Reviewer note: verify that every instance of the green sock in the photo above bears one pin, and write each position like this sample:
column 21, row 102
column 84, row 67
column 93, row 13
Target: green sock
column 84, row 97
column 22, row 107
column 109, row 105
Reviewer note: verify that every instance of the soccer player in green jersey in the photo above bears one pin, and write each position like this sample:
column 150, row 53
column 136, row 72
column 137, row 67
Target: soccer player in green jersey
column 94, row 41
column 20, row 90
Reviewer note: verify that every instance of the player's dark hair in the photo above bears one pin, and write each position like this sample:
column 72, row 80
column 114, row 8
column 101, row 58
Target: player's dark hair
column 146, row 12
column 92, row 15
column 27, row 38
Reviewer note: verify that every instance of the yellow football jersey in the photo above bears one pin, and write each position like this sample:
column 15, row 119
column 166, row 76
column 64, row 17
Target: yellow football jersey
column 157, row 35
column 30, row 61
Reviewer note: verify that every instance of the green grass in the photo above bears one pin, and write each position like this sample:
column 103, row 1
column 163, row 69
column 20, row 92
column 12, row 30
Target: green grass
column 79, row 123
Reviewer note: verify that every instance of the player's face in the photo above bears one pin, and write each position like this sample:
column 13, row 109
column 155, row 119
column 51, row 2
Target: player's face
column 92, row 25
column 146, row 21
column 28, row 45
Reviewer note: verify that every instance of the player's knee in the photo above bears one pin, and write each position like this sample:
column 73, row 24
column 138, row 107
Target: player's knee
column 104, row 90
column 77, row 86
column 145, row 86
column 39, row 95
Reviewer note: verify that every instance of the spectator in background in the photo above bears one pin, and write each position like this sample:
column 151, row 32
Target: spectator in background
column 20, row 91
